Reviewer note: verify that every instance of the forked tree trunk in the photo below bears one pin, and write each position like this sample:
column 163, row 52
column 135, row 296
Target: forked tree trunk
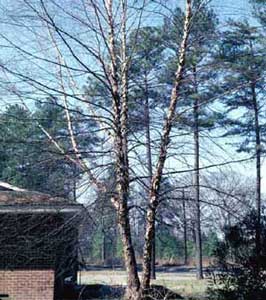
column 157, row 177
column 196, row 180
column 120, row 200
column 120, row 118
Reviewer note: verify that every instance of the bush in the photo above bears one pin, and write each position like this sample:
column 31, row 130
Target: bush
column 240, row 273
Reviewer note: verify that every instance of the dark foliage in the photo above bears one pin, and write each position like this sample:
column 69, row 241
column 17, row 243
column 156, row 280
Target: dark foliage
column 242, row 273
column 100, row 291
column 29, row 159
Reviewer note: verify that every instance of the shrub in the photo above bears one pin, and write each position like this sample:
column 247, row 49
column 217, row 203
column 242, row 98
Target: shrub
column 240, row 273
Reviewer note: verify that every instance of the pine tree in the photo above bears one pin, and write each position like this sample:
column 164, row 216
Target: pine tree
column 259, row 9
column 29, row 159
column 145, row 94
column 243, row 59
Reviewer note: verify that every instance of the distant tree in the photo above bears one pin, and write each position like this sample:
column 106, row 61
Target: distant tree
column 209, row 243
column 174, row 212
column 169, row 247
column 29, row 158
column 105, row 219
column 16, row 129
column 229, row 194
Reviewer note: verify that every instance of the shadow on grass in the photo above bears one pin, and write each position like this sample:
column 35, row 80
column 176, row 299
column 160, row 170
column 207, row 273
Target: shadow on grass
column 101, row 291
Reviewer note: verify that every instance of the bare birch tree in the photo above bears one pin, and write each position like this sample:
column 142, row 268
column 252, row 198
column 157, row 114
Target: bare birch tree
column 106, row 60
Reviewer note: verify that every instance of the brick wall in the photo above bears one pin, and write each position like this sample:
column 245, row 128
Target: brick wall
column 27, row 284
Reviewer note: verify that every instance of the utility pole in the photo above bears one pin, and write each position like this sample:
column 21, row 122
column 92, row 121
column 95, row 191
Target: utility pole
column 185, row 227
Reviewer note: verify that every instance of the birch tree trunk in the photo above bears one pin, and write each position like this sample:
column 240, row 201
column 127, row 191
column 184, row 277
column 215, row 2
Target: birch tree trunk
column 149, row 165
column 120, row 119
column 156, row 179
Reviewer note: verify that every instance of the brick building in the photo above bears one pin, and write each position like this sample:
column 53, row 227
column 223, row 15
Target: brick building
column 38, row 244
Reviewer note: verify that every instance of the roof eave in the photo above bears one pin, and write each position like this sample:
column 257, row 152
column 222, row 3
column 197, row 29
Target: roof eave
column 40, row 209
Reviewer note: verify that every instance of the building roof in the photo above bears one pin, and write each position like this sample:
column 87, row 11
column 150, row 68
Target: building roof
column 15, row 199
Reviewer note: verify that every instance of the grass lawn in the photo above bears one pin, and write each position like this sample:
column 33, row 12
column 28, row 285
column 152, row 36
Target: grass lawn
column 184, row 284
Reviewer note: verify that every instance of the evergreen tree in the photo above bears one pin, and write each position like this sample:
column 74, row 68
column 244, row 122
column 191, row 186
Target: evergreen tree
column 242, row 273
column 243, row 59
column 259, row 7
column 29, row 158
column 105, row 220
column 16, row 129
column 145, row 94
